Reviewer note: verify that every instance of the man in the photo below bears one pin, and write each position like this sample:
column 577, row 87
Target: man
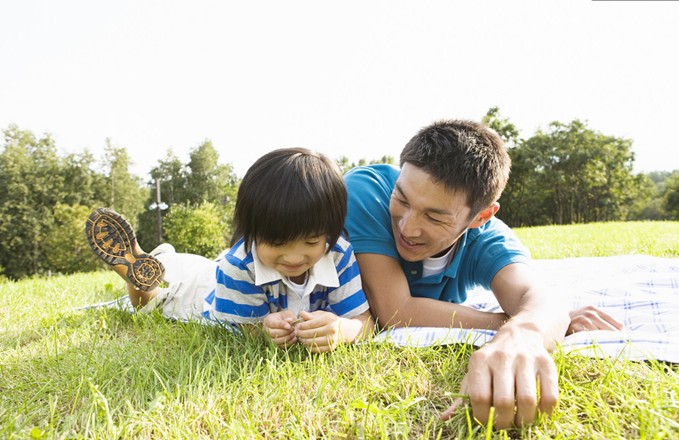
column 426, row 234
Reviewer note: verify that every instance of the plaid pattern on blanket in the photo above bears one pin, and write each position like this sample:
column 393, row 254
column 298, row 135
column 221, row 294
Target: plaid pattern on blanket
column 642, row 292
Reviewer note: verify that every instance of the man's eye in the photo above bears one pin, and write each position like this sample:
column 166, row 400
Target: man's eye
column 433, row 220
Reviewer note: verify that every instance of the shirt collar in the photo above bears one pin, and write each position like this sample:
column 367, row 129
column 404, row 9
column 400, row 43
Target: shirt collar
column 322, row 273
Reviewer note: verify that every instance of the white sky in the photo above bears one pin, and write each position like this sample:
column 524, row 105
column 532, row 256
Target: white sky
column 353, row 78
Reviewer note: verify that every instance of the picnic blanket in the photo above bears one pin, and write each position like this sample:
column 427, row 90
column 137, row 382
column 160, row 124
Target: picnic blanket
column 640, row 291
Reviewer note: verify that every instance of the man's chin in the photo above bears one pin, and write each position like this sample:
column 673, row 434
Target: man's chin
column 410, row 257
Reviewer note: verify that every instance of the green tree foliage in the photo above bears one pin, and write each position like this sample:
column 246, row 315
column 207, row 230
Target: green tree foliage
column 66, row 249
column 345, row 165
column 197, row 229
column 124, row 191
column 46, row 199
column 570, row 174
column 502, row 126
column 671, row 196
column 31, row 185
column 202, row 180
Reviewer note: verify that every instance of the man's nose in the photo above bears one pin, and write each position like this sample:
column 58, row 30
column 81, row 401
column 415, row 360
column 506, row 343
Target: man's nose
column 409, row 224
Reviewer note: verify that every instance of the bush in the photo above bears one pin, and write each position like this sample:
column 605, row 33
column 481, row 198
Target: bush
column 65, row 247
column 200, row 230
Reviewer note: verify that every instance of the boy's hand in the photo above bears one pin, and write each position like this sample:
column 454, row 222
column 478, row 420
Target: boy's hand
column 320, row 331
column 280, row 329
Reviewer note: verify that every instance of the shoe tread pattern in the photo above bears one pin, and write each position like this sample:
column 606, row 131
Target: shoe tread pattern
column 112, row 239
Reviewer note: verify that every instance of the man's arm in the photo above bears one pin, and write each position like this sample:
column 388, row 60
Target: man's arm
column 505, row 373
column 389, row 297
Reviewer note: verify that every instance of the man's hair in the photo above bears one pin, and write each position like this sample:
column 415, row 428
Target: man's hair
column 463, row 156
column 289, row 194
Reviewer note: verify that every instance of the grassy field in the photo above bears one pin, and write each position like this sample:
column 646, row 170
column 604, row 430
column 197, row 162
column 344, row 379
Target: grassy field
column 104, row 373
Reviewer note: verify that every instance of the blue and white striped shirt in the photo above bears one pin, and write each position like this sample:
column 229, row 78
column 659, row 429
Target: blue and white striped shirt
column 247, row 291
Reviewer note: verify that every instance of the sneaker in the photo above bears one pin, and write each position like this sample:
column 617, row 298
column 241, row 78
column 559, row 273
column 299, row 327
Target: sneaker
column 112, row 239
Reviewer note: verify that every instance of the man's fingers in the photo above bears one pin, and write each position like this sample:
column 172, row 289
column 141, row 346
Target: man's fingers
column 457, row 403
column 504, row 397
column 479, row 386
column 611, row 320
column 547, row 377
column 526, row 395
column 590, row 318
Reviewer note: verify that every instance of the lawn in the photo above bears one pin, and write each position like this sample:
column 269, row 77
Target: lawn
column 105, row 373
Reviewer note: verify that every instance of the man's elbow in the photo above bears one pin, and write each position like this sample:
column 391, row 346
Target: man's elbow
column 392, row 315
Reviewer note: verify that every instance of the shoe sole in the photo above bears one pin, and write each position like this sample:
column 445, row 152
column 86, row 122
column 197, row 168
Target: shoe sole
column 112, row 239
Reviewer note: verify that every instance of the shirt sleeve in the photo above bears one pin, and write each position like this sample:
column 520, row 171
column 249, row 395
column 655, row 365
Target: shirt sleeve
column 347, row 300
column 494, row 248
column 236, row 298
column 368, row 221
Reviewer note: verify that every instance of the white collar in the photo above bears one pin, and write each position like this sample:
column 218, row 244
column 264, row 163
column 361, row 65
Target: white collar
column 322, row 273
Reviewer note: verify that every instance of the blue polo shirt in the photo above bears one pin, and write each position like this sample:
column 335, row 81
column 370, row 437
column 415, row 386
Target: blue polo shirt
column 481, row 253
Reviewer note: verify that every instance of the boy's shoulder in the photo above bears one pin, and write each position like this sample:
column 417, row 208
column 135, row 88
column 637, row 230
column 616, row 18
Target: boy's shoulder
column 237, row 256
column 342, row 252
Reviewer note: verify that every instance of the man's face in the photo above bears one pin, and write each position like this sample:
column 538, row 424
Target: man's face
column 425, row 217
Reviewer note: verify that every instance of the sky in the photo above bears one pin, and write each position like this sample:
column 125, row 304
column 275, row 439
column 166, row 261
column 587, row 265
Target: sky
column 351, row 78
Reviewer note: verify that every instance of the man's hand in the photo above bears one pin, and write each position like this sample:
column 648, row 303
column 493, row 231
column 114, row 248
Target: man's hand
column 505, row 374
column 591, row 318
column 279, row 327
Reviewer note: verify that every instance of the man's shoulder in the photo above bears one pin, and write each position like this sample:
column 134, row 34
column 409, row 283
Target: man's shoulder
column 380, row 173
column 495, row 236
column 492, row 227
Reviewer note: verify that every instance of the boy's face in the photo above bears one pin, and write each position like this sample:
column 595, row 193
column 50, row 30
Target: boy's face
column 426, row 218
column 293, row 258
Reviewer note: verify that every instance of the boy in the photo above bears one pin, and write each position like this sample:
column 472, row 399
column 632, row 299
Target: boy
column 289, row 269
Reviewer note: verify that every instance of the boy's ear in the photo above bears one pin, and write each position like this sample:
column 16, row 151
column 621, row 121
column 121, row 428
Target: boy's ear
column 485, row 215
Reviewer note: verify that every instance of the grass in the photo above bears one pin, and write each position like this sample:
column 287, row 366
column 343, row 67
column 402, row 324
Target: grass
column 602, row 239
column 104, row 373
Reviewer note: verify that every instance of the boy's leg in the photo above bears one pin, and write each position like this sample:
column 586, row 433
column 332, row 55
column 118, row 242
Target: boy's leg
column 111, row 237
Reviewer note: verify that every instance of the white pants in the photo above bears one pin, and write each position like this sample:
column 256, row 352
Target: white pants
column 191, row 278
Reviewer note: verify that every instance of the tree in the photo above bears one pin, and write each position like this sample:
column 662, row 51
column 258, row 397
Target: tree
column 202, row 180
column 344, row 164
column 207, row 180
column 65, row 247
column 502, row 126
column 200, row 230
column 571, row 174
column 32, row 184
column 125, row 192
column 671, row 196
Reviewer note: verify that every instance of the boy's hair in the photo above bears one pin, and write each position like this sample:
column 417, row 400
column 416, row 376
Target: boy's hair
column 464, row 156
column 288, row 194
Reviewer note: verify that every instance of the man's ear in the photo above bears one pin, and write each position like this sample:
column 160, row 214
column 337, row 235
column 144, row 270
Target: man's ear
column 485, row 215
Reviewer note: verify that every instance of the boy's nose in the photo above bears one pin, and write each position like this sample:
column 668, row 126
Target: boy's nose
column 293, row 259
